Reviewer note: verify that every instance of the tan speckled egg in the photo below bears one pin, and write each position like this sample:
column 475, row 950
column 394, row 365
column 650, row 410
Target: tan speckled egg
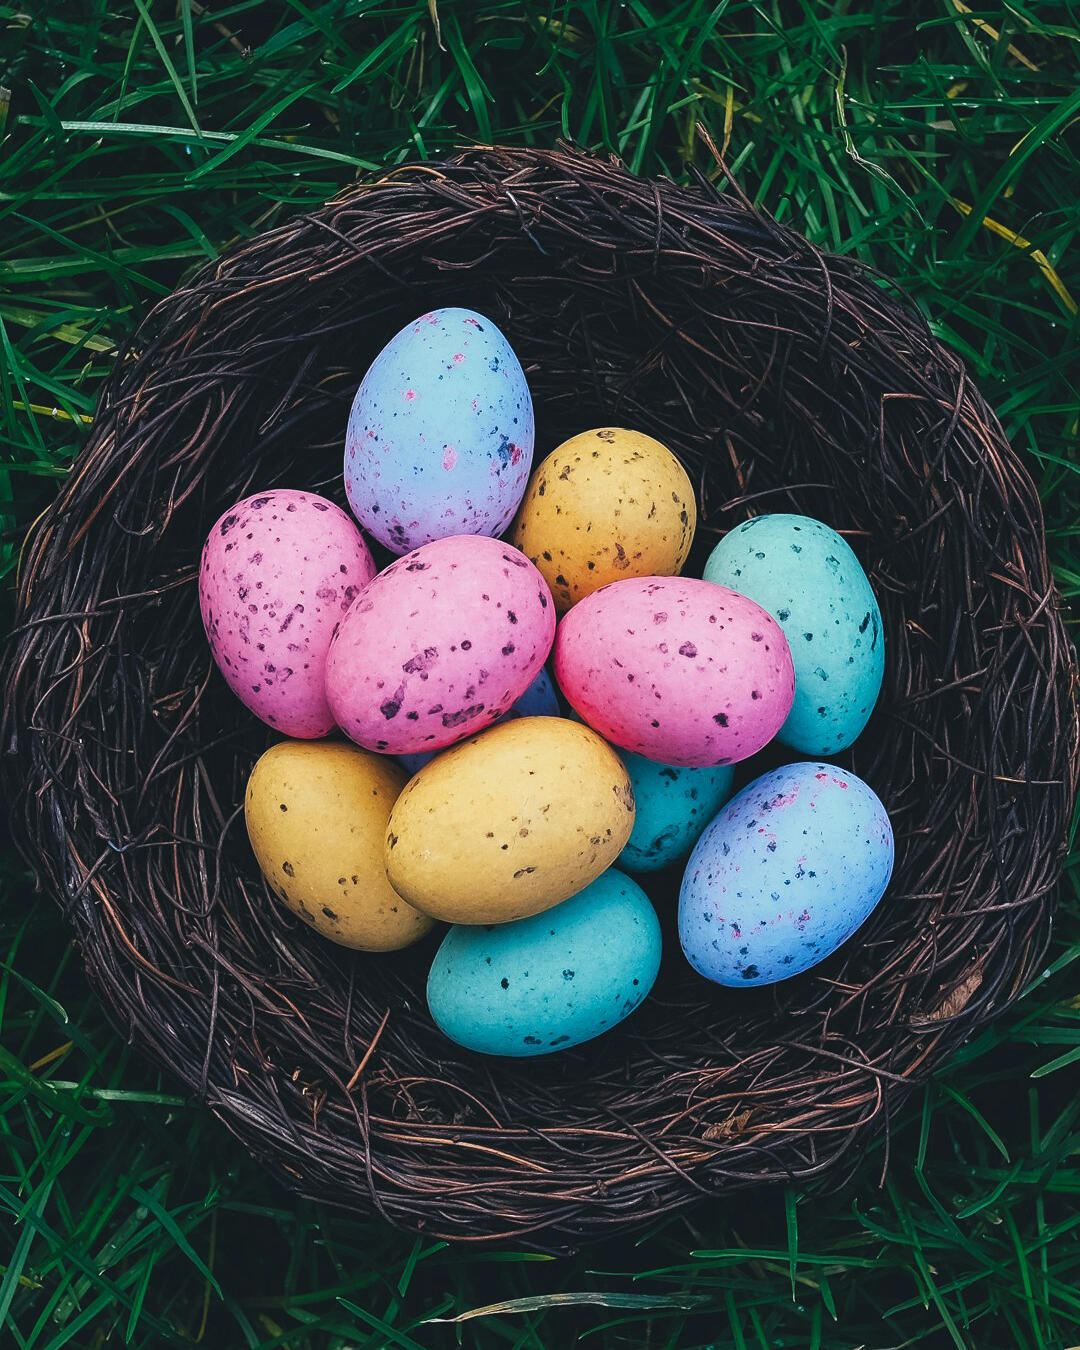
column 606, row 505
column 316, row 815
column 510, row 822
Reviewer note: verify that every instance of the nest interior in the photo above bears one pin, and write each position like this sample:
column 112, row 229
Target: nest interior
column 785, row 379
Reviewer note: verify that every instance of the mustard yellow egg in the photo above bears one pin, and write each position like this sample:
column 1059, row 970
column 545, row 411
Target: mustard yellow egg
column 606, row 505
column 316, row 814
column 510, row 822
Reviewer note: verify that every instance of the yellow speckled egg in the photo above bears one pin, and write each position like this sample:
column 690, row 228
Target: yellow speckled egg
column 605, row 505
column 316, row 815
column 510, row 822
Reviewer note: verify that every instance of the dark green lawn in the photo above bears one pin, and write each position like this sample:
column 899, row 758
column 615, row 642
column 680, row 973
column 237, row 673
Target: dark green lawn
column 938, row 141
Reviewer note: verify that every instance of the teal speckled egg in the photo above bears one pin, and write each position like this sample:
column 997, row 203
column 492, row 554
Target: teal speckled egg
column 550, row 981
column 674, row 805
column 806, row 576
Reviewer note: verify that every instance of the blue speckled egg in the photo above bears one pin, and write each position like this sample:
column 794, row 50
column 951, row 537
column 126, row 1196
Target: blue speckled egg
column 440, row 436
column 785, row 873
column 806, row 576
column 674, row 805
column 551, row 981
column 539, row 700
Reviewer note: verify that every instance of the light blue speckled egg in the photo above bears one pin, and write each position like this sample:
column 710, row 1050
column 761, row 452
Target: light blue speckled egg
column 674, row 805
column 539, row 700
column 551, row 981
column 810, row 581
column 440, row 436
column 785, row 873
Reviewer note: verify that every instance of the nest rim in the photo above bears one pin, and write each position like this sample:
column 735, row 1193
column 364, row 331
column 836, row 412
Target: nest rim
column 772, row 369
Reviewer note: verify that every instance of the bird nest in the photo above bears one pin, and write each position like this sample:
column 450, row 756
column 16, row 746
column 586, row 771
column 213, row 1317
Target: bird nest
column 784, row 379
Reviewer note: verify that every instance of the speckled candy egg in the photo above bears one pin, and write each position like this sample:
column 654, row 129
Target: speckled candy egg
column 316, row 816
column 675, row 669
column 440, row 436
column 509, row 823
column 278, row 572
column 606, row 505
column 552, row 981
column 673, row 807
column 539, row 700
column 811, row 582
column 786, row 872
column 439, row 645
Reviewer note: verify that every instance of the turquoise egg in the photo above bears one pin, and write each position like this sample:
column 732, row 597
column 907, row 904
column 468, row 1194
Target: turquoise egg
column 785, row 873
column 806, row 576
column 551, row 981
column 674, row 805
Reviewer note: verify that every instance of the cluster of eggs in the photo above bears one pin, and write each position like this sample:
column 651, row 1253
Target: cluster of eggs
column 467, row 792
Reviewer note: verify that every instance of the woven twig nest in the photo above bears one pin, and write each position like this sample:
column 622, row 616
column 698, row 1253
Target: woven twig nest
column 786, row 380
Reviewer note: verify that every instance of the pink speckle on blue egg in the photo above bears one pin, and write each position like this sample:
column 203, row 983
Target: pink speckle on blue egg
column 440, row 436
column 784, row 874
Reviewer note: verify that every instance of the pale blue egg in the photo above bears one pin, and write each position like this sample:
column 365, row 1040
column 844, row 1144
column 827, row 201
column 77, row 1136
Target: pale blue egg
column 785, row 873
column 539, row 700
column 551, row 981
column 813, row 585
column 674, row 805
column 440, row 436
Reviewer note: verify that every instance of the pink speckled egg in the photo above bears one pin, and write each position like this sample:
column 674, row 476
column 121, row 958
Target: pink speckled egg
column 439, row 645
column 681, row 671
column 278, row 572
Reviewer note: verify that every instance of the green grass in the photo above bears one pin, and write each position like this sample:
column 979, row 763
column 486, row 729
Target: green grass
column 937, row 142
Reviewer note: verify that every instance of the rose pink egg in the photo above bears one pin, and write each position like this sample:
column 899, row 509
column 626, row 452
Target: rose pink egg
column 681, row 671
column 439, row 645
column 278, row 572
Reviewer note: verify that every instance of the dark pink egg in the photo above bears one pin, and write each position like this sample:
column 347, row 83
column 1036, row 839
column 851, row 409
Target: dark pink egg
column 678, row 670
